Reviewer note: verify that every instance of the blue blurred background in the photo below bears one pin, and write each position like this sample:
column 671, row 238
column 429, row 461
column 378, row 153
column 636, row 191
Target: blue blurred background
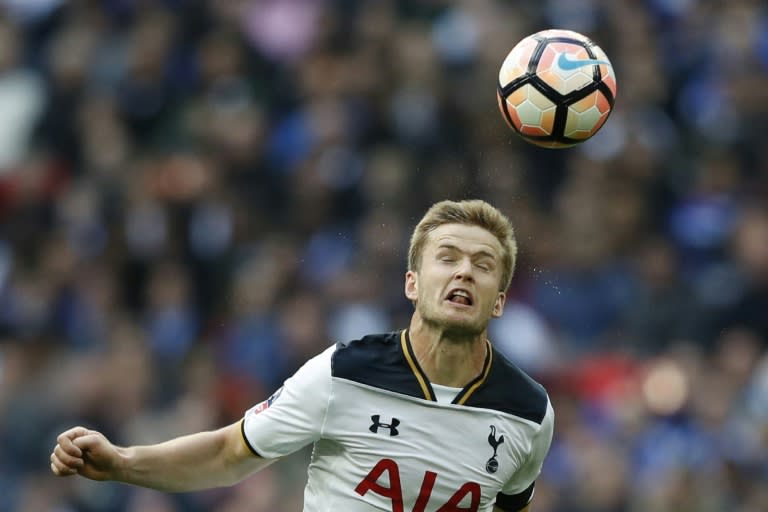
column 197, row 196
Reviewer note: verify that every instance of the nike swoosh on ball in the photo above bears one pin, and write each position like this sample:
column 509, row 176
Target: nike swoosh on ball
column 567, row 64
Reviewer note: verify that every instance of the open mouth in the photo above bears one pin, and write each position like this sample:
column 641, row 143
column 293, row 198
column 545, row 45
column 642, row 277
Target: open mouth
column 460, row 297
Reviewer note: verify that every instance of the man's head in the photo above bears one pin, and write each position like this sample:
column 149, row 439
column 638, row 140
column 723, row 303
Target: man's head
column 461, row 260
column 471, row 213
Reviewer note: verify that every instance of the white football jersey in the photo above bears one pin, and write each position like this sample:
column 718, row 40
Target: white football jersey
column 383, row 443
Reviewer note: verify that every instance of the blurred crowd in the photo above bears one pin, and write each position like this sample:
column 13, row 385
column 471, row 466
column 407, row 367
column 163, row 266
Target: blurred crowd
column 196, row 196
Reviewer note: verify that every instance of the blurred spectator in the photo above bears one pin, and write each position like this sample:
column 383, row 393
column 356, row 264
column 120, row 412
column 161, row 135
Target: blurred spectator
column 22, row 97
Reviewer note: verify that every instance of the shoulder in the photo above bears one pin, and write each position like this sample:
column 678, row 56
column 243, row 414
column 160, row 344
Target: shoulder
column 510, row 390
column 373, row 349
column 376, row 360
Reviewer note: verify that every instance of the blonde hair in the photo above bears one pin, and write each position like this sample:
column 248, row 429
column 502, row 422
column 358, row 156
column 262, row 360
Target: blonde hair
column 474, row 212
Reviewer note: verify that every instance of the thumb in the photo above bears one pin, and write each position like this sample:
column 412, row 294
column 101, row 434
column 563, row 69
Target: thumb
column 88, row 441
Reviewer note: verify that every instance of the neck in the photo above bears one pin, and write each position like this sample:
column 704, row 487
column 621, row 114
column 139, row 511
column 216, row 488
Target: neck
column 447, row 360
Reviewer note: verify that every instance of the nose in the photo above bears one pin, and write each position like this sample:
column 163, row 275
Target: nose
column 464, row 270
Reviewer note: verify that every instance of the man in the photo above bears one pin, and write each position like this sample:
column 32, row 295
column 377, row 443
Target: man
column 430, row 418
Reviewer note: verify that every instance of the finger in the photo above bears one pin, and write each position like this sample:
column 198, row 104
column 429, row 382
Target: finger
column 66, row 458
column 74, row 433
column 60, row 469
column 67, row 446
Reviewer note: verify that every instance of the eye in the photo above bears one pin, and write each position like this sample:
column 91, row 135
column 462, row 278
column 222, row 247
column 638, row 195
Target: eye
column 485, row 264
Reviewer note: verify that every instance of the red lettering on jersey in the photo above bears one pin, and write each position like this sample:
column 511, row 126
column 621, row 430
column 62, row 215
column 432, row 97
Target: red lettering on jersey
column 393, row 492
column 425, row 492
column 453, row 504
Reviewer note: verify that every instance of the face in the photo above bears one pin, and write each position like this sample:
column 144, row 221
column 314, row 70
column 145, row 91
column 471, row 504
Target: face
column 457, row 285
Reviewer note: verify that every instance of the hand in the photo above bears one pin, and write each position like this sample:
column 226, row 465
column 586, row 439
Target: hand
column 84, row 452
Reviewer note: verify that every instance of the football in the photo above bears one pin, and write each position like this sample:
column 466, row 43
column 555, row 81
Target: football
column 556, row 88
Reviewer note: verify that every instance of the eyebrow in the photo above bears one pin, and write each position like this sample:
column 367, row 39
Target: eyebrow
column 481, row 253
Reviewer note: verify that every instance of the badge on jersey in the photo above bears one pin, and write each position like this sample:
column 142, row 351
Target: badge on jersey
column 492, row 465
column 263, row 406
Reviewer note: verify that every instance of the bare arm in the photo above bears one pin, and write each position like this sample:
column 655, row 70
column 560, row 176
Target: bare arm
column 188, row 463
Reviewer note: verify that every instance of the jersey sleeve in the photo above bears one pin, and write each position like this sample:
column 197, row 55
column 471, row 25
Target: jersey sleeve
column 518, row 491
column 293, row 416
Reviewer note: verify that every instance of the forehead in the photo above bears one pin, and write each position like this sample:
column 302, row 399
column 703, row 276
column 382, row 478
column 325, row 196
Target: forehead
column 467, row 238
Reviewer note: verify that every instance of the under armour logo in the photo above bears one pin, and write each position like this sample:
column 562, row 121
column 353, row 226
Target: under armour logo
column 493, row 465
column 392, row 425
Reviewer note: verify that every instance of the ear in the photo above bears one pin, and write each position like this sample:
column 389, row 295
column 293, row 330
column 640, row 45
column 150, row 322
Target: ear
column 498, row 306
column 411, row 285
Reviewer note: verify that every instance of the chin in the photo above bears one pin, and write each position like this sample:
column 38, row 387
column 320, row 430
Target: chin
column 453, row 328
column 452, row 323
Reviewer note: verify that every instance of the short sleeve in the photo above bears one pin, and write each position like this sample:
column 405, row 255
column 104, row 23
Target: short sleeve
column 293, row 416
column 520, row 487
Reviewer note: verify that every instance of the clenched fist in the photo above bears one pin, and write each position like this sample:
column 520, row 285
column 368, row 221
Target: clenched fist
column 80, row 451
